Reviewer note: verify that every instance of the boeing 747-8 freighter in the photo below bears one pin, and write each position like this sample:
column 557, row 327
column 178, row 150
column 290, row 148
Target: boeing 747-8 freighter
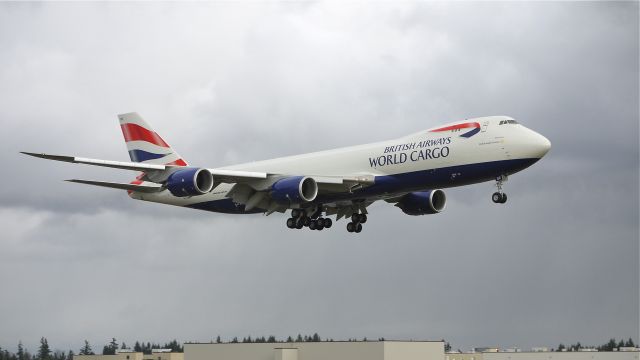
column 408, row 172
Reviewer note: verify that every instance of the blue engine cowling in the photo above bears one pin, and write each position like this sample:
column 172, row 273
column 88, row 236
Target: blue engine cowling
column 190, row 182
column 294, row 190
column 423, row 202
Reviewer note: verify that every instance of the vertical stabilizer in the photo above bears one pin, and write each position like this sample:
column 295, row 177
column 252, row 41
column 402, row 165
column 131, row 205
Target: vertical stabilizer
column 145, row 145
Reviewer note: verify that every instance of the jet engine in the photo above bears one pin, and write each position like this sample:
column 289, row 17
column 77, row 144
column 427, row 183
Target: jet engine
column 423, row 202
column 190, row 182
column 294, row 190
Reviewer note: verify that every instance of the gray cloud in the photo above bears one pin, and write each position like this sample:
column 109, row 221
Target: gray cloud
column 227, row 83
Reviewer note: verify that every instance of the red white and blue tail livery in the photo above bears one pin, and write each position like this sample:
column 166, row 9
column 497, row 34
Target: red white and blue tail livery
column 408, row 172
column 145, row 145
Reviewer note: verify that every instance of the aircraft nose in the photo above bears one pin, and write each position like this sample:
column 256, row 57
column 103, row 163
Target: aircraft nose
column 539, row 145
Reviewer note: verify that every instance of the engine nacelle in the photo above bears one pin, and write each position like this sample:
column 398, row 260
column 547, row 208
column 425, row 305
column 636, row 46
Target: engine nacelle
column 190, row 182
column 423, row 202
column 294, row 190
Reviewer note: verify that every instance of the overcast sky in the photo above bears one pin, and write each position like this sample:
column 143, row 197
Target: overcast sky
column 226, row 83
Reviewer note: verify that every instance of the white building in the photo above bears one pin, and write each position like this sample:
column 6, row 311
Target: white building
column 326, row 350
column 546, row 355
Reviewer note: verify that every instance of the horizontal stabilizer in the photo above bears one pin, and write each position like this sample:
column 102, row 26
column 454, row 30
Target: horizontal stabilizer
column 121, row 186
column 97, row 162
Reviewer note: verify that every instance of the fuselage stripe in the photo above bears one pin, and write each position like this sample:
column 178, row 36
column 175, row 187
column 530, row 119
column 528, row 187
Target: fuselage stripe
column 458, row 126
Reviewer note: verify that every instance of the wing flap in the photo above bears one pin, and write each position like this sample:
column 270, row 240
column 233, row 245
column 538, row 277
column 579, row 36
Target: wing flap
column 234, row 176
column 121, row 186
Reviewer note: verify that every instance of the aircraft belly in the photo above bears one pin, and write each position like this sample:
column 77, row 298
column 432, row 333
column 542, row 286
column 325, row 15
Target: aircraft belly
column 452, row 176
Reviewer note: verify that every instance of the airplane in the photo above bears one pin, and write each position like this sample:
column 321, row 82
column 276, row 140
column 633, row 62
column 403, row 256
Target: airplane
column 409, row 172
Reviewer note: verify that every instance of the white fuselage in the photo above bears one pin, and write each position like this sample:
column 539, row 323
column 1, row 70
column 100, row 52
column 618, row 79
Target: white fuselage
column 420, row 161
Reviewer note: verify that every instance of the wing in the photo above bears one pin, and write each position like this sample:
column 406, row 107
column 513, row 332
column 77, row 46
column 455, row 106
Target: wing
column 155, row 173
column 250, row 188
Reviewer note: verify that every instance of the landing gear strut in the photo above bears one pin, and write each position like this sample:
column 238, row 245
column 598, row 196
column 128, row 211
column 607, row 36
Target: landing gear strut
column 356, row 223
column 499, row 197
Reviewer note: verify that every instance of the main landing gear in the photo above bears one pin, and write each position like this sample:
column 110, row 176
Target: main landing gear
column 299, row 219
column 356, row 222
column 499, row 197
column 315, row 221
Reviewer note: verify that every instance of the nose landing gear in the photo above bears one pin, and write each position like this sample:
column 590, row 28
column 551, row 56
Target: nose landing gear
column 499, row 197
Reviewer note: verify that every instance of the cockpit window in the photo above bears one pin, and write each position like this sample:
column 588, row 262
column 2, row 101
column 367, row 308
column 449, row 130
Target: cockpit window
column 502, row 122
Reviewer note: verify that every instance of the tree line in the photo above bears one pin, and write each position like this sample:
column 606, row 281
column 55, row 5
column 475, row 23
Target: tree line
column 45, row 353
column 610, row 346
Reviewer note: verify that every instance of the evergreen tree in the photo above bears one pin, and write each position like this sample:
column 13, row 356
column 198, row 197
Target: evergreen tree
column 86, row 349
column 44, row 352
column 630, row 343
column 137, row 347
column 218, row 340
column 316, row 338
column 289, row 339
column 113, row 345
column 123, row 346
column 272, row 339
column 447, row 347
column 111, row 348
column 21, row 355
column 299, row 338
column 561, row 347
column 235, row 340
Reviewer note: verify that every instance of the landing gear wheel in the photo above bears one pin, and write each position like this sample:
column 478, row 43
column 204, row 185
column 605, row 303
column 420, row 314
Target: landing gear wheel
column 328, row 223
column 313, row 224
column 358, row 228
column 299, row 225
column 351, row 227
column 363, row 218
column 320, row 224
column 291, row 223
column 496, row 197
column 306, row 221
column 295, row 213
column 503, row 199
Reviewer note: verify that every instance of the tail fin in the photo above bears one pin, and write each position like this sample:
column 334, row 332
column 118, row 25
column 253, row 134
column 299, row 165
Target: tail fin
column 144, row 144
